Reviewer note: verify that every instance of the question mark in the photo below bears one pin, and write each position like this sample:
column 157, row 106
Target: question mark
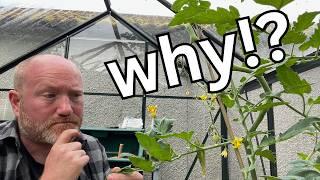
column 281, row 23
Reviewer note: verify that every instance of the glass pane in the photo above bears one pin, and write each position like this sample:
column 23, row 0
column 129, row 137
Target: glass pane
column 109, row 111
column 6, row 78
column 187, row 88
column 141, row 7
column 107, row 40
column 82, row 5
column 148, row 15
column 58, row 49
column 24, row 29
column 5, row 107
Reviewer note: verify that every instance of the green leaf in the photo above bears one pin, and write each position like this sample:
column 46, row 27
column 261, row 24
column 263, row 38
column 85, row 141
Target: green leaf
column 291, row 81
column 291, row 61
column 267, row 106
column 303, row 169
column 243, row 79
column 197, row 12
column 316, row 101
column 260, row 70
column 264, row 61
column 202, row 159
column 302, row 155
column 187, row 136
column 142, row 163
column 305, row 46
column 271, row 177
column 163, row 126
column 127, row 170
column 227, row 100
column 266, row 154
column 294, row 37
column 278, row 4
column 256, row 36
column 298, row 128
column 267, row 141
column 305, row 20
column 255, row 133
column 179, row 4
column 314, row 39
column 192, row 34
column 225, row 20
column 160, row 151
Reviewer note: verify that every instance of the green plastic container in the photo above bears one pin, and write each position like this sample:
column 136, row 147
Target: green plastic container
column 111, row 138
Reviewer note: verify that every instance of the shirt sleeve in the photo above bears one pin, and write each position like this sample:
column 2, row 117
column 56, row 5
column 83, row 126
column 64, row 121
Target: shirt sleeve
column 106, row 167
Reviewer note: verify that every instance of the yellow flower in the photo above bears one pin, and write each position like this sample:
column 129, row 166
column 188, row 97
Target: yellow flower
column 224, row 153
column 213, row 98
column 203, row 97
column 152, row 109
column 236, row 142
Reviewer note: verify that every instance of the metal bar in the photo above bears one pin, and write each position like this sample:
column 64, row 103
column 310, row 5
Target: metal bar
column 271, row 130
column 203, row 142
column 66, row 49
column 140, row 33
column 108, row 40
column 5, row 89
column 271, row 76
column 144, row 98
column 54, row 41
column 107, row 3
column 166, row 4
column 143, row 111
column 224, row 161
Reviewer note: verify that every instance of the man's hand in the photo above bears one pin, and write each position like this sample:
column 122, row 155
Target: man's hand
column 65, row 159
column 117, row 176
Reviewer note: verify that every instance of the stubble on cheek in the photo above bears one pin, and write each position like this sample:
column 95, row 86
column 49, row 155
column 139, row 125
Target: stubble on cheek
column 47, row 130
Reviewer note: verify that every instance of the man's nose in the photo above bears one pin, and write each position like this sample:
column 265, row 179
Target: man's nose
column 64, row 106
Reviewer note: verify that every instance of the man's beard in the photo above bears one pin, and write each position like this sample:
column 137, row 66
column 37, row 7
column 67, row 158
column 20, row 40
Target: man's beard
column 48, row 130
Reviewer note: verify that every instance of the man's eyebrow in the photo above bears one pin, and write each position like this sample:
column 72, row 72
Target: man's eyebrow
column 51, row 86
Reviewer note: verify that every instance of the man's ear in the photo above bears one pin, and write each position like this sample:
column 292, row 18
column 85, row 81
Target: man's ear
column 14, row 98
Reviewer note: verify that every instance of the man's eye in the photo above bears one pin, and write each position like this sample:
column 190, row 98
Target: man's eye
column 49, row 95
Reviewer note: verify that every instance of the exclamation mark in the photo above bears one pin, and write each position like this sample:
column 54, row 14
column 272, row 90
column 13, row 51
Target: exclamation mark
column 246, row 36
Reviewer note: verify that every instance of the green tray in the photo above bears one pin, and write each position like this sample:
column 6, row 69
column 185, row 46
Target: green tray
column 111, row 138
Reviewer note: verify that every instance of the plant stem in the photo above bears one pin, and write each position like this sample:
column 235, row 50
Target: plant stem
column 248, row 145
column 292, row 50
column 241, row 69
column 304, row 104
column 223, row 109
column 263, row 82
column 291, row 107
column 314, row 149
column 202, row 149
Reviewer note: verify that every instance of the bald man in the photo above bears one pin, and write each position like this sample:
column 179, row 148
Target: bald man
column 44, row 141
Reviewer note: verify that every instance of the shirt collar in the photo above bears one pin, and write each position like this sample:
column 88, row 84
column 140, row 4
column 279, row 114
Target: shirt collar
column 9, row 129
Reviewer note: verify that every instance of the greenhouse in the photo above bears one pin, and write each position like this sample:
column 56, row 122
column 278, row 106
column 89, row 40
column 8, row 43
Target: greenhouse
column 159, row 89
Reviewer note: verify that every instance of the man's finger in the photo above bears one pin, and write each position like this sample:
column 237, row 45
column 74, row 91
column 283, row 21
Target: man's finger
column 67, row 136
column 115, row 170
column 116, row 176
